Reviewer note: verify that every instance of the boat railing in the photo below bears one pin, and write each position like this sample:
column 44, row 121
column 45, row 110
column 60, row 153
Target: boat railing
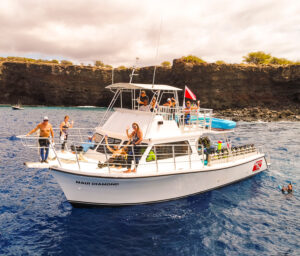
column 79, row 151
column 234, row 153
column 79, row 134
column 170, row 157
column 187, row 118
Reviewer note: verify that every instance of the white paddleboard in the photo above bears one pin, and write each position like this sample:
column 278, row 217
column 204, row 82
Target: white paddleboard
column 39, row 165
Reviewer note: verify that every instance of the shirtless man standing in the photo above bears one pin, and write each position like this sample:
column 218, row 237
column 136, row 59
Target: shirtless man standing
column 45, row 130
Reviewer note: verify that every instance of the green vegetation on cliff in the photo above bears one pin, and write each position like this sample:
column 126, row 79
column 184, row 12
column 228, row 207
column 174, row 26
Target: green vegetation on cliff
column 266, row 58
column 192, row 59
column 253, row 58
column 66, row 62
column 28, row 60
column 166, row 64
column 100, row 64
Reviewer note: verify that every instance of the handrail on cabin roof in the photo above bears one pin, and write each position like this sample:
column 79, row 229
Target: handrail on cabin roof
column 134, row 86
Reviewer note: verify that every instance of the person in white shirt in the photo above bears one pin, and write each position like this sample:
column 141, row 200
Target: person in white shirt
column 145, row 107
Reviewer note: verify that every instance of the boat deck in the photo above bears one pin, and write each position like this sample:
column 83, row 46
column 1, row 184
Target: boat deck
column 89, row 167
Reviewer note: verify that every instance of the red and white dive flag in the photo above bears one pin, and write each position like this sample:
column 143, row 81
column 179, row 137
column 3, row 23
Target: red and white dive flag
column 189, row 94
column 257, row 165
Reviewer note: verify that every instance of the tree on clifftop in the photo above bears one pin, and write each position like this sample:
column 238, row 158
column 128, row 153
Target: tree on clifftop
column 266, row 58
column 192, row 59
column 257, row 58
column 166, row 64
column 280, row 61
column 99, row 63
column 66, row 62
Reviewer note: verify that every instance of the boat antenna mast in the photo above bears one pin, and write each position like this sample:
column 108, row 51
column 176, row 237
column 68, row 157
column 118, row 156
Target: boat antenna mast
column 156, row 56
column 133, row 69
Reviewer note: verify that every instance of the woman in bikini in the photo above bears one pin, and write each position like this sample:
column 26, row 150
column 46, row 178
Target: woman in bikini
column 64, row 126
column 136, row 138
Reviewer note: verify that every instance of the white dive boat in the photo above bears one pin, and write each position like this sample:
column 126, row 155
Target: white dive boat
column 175, row 159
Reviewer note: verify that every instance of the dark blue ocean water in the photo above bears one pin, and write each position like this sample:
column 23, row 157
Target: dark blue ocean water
column 251, row 217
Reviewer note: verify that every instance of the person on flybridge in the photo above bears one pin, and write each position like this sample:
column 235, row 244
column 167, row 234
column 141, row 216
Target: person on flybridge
column 153, row 105
column 145, row 107
column 143, row 97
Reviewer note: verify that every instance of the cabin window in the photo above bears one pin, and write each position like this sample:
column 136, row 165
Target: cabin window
column 164, row 151
column 142, row 147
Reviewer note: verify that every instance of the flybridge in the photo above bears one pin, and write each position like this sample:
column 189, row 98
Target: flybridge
column 160, row 120
column 134, row 86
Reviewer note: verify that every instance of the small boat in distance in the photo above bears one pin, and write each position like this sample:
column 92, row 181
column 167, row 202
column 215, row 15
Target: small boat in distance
column 17, row 106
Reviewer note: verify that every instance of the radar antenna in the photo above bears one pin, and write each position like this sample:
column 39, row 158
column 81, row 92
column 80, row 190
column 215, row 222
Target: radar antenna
column 133, row 69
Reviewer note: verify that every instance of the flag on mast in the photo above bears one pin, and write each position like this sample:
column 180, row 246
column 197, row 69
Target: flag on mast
column 189, row 94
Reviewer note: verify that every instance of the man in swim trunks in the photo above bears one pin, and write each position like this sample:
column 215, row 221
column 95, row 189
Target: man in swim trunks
column 45, row 130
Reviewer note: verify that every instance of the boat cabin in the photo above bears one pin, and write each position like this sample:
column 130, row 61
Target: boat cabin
column 169, row 130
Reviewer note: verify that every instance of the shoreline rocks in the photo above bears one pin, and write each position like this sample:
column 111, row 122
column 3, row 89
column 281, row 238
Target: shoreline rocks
column 259, row 114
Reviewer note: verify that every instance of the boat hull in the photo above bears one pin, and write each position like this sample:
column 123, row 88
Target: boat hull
column 131, row 190
column 17, row 108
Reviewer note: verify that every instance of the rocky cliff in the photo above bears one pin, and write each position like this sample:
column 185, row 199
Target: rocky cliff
column 233, row 90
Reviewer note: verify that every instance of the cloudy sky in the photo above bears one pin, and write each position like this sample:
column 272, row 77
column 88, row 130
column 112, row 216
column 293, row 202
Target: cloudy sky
column 118, row 31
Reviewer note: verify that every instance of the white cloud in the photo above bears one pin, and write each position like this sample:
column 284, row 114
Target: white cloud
column 118, row 31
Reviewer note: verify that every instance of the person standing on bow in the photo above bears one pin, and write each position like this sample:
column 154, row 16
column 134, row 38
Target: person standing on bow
column 136, row 138
column 45, row 130
column 64, row 127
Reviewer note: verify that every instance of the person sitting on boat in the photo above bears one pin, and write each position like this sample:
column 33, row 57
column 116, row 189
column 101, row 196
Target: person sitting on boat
column 153, row 105
column 171, row 104
column 90, row 143
column 118, row 158
column 142, row 98
column 187, row 110
column 64, row 127
column 45, row 130
column 151, row 156
column 168, row 103
column 145, row 107
column 136, row 138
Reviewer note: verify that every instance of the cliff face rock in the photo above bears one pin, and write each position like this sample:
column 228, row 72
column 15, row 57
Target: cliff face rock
column 220, row 87
column 37, row 84
column 235, row 86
